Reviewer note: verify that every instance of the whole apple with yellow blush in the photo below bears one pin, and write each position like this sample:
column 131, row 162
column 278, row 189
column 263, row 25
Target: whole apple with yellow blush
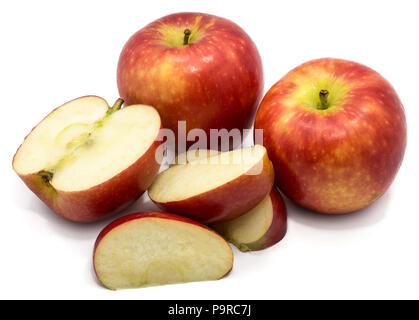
column 193, row 67
column 335, row 131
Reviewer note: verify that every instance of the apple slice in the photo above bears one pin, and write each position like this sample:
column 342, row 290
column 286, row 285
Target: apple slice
column 261, row 227
column 194, row 154
column 155, row 248
column 86, row 160
column 225, row 187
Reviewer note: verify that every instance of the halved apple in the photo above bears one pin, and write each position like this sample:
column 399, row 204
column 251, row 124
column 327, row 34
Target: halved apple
column 225, row 187
column 261, row 227
column 86, row 160
column 155, row 248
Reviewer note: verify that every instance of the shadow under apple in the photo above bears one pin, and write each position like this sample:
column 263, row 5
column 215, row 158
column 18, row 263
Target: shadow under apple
column 31, row 204
column 366, row 217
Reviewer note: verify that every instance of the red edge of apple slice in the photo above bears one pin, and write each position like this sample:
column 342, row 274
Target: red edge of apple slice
column 211, row 202
column 140, row 215
column 278, row 228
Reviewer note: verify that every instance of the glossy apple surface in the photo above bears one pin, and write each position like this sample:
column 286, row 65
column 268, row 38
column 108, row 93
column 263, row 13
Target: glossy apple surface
column 83, row 162
column 260, row 228
column 213, row 81
column 335, row 131
column 155, row 248
column 223, row 188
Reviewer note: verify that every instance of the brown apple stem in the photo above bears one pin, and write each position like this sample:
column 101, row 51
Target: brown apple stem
column 323, row 94
column 46, row 175
column 187, row 33
column 116, row 106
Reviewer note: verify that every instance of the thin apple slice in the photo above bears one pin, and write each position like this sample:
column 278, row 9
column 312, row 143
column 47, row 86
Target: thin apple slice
column 155, row 248
column 86, row 160
column 261, row 227
column 225, row 187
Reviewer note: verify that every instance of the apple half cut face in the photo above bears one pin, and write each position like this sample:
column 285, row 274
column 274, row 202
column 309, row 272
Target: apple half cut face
column 155, row 248
column 261, row 227
column 86, row 160
column 222, row 188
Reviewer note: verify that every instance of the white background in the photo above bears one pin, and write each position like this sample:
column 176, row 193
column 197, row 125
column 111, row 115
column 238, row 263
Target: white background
column 54, row 51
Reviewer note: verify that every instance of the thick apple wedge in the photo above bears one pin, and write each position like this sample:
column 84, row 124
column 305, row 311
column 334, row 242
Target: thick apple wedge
column 223, row 188
column 86, row 160
column 155, row 248
column 261, row 227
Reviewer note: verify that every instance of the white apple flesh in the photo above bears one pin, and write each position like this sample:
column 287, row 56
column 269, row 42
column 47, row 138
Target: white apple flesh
column 260, row 228
column 86, row 160
column 193, row 155
column 155, row 248
column 223, row 188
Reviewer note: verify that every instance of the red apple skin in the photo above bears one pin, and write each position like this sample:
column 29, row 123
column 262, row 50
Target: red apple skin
column 228, row 201
column 102, row 200
column 142, row 215
column 278, row 228
column 214, row 83
column 334, row 162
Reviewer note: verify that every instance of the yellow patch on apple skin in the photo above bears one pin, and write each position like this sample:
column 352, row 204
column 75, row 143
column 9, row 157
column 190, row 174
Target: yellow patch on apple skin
column 337, row 189
column 172, row 36
column 307, row 92
column 198, row 20
column 210, row 24
column 309, row 81
column 166, row 69
column 175, row 85
column 285, row 118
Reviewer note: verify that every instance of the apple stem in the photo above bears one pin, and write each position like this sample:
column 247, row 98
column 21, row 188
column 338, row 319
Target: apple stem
column 187, row 33
column 46, row 175
column 116, row 106
column 323, row 94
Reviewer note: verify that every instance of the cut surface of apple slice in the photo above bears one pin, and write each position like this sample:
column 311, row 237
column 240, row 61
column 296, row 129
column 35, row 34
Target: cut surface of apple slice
column 193, row 155
column 223, row 188
column 155, row 248
column 84, row 144
column 259, row 228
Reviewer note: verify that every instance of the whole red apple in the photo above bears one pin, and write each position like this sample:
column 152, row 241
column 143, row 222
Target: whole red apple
column 193, row 67
column 335, row 131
